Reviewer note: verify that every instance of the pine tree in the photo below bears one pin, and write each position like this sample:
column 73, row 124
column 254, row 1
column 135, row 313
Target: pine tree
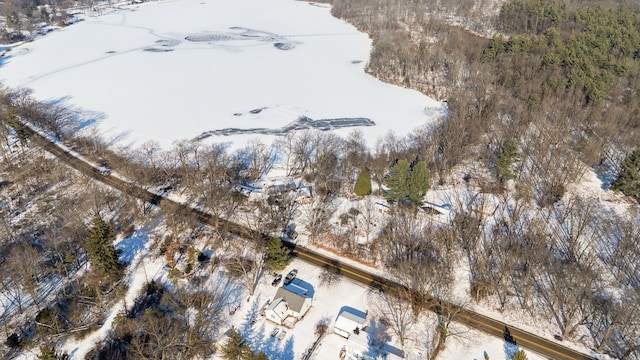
column 277, row 255
column 506, row 159
column 11, row 118
column 628, row 180
column 407, row 183
column 260, row 356
column 419, row 180
column 363, row 183
column 520, row 355
column 13, row 341
column 235, row 347
column 99, row 245
column 397, row 181
column 49, row 353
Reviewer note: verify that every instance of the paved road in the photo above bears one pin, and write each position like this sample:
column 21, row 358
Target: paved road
column 546, row 347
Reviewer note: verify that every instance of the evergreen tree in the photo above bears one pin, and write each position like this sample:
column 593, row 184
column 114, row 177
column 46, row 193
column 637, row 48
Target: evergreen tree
column 507, row 157
column 408, row 183
column 49, row 353
column 99, row 245
column 13, row 341
column 235, row 347
column 628, row 180
column 277, row 255
column 11, row 119
column 260, row 356
column 363, row 183
column 397, row 181
column 520, row 355
column 419, row 180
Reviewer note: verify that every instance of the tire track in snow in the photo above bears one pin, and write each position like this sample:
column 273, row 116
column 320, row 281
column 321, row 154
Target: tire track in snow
column 105, row 57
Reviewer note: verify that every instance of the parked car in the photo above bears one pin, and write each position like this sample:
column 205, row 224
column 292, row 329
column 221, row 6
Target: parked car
column 274, row 332
column 282, row 334
column 276, row 280
column 290, row 276
column 103, row 170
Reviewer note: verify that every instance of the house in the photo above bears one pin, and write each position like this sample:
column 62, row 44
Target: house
column 289, row 305
column 348, row 321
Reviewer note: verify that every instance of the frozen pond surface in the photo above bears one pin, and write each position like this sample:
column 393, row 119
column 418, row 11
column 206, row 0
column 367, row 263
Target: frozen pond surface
column 217, row 70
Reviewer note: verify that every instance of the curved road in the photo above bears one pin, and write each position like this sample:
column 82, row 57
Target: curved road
column 546, row 347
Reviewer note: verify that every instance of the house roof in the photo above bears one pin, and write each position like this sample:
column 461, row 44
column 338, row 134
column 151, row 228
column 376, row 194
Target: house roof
column 348, row 321
column 278, row 306
column 294, row 301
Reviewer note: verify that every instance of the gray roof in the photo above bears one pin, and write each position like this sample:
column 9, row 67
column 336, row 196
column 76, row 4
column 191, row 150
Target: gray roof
column 348, row 321
column 294, row 301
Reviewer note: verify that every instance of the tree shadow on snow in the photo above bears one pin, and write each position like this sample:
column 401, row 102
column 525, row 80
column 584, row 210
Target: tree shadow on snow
column 261, row 340
column 250, row 319
column 129, row 247
column 287, row 352
column 510, row 345
column 72, row 117
column 229, row 291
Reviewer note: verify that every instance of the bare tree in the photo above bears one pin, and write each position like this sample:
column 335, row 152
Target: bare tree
column 258, row 158
column 247, row 263
column 315, row 217
column 285, row 147
column 25, row 266
column 367, row 220
column 394, row 308
column 416, row 257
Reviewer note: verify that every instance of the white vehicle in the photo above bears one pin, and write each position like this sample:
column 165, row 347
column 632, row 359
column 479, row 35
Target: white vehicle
column 103, row 170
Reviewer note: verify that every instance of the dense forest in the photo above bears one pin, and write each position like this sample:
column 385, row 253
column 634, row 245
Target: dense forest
column 539, row 93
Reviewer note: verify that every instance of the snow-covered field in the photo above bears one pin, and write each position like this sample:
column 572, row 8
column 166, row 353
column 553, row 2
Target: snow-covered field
column 191, row 69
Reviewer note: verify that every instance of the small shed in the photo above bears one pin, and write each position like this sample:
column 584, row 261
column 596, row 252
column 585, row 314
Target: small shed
column 347, row 322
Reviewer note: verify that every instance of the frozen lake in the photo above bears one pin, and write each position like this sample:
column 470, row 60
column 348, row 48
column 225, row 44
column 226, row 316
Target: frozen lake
column 216, row 70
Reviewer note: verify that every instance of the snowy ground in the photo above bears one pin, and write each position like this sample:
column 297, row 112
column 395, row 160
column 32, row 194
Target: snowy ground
column 328, row 301
column 220, row 70
column 473, row 345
